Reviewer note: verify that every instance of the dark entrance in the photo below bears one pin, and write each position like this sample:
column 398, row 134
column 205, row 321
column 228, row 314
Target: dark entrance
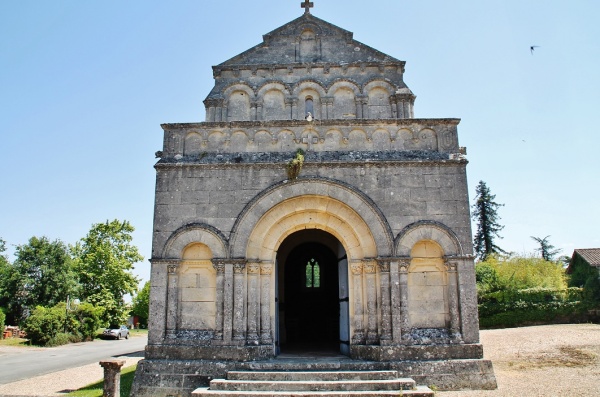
column 309, row 304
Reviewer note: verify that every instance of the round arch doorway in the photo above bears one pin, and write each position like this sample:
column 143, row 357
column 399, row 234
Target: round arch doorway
column 312, row 301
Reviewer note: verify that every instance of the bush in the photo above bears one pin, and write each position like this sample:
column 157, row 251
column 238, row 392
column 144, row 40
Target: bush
column 516, row 273
column 59, row 339
column 87, row 320
column 2, row 319
column 44, row 324
column 531, row 306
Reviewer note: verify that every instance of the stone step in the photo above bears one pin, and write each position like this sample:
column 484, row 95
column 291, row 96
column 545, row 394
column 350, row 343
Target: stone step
column 420, row 391
column 311, row 375
column 313, row 385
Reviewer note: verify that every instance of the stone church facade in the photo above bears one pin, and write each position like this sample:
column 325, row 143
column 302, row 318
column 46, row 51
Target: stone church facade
column 366, row 253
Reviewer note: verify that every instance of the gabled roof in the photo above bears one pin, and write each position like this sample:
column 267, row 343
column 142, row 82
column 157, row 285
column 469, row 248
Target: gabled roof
column 337, row 45
column 590, row 255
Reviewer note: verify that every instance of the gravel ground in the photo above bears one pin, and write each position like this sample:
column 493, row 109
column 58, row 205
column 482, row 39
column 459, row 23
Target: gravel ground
column 549, row 360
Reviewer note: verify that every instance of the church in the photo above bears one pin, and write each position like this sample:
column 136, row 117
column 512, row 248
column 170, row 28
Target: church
column 311, row 221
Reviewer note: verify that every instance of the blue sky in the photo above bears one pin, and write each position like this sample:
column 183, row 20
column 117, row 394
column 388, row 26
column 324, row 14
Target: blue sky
column 84, row 87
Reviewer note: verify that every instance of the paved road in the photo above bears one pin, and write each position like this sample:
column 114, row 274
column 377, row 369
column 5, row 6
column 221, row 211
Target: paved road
column 24, row 363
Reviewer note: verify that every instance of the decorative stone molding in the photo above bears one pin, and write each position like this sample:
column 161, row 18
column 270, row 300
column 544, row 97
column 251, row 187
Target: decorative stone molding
column 266, row 269
column 356, row 268
column 384, row 264
column 370, row 266
column 172, row 269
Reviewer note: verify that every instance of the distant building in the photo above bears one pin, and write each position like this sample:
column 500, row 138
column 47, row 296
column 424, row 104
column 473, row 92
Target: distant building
column 584, row 257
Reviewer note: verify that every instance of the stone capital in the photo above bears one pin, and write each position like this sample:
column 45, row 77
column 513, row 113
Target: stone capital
column 266, row 268
column 384, row 264
column 172, row 268
column 370, row 266
column 356, row 268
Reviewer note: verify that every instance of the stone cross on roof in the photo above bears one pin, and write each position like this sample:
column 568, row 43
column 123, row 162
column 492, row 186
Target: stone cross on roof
column 307, row 5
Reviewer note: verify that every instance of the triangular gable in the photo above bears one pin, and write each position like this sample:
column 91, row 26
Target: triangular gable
column 337, row 45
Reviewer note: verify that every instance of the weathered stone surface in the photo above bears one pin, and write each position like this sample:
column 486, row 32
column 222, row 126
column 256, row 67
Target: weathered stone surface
column 381, row 202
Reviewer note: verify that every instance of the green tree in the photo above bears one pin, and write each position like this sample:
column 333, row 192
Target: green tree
column 104, row 263
column 141, row 304
column 45, row 323
column 547, row 250
column 5, row 270
column 41, row 275
column 485, row 212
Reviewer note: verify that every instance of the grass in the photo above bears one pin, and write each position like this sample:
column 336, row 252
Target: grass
column 96, row 389
column 16, row 342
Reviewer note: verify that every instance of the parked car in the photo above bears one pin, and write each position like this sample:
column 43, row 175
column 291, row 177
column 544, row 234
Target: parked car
column 116, row 332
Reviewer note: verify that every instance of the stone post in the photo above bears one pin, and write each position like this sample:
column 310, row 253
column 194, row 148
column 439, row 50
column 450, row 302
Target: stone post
column 219, row 267
column 370, row 269
column 357, row 271
column 403, row 276
column 266, row 269
column 453, row 299
column 253, row 303
column 239, row 328
column 386, row 315
column 172, row 299
column 112, row 377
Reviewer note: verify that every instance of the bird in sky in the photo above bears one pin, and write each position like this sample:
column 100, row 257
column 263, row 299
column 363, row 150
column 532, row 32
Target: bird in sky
column 532, row 48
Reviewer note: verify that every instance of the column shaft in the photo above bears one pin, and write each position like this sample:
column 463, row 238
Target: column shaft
column 172, row 298
column 253, row 303
column 371, row 286
column 403, row 276
column 228, row 302
column 239, row 328
column 220, row 269
column 358, row 337
column 265, row 303
column 386, row 315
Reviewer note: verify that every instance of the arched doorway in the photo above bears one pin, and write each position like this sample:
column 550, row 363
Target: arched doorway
column 312, row 294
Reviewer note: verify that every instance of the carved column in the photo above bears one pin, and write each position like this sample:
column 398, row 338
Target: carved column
column 225, row 113
column 357, row 271
column 359, row 109
column 253, row 303
column 453, row 299
column 403, row 276
column 395, row 301
column 330, row 112
column 393, row 106
column 400, row 109
column 253, row 115
column 370, row 269
column 259, row 110
column 228, row 302
column 172, row 298
column 295, row 109
column 219, row 267
column 324, row 115
column 288, row 107
column 266, row 269
column 386, row 315
column 239, row 328
column 406, row 110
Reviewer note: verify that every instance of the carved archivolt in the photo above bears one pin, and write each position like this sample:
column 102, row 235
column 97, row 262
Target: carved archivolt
column 196, row 233
column 427, row 230
column 311, row 203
